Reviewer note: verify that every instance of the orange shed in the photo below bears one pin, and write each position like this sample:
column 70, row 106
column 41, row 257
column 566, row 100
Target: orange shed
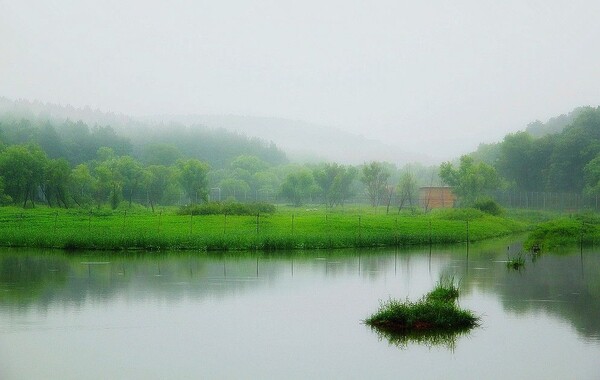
column 436, row 197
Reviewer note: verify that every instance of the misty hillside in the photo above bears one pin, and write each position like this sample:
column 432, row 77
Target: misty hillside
column 77, row 134
column 555, row 124
column 304, row 141
column 301, row 141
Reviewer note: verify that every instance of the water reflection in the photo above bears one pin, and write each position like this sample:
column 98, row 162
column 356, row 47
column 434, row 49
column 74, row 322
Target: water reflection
column 428, row 338
column 563, row 285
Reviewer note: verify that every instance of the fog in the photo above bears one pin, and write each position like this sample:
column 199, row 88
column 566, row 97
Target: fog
column 434, row 78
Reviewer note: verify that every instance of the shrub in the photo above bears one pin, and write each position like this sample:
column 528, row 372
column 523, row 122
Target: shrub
column 229, row 208
column 489, row 206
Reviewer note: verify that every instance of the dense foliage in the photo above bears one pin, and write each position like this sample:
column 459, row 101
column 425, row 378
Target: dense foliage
column 564, row 158
column 64, row 163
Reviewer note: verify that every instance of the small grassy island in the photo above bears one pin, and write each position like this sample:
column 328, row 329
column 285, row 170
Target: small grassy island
column 434, row 319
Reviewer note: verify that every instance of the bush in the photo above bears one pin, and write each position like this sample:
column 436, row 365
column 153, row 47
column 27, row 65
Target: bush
column 489, row 206
column 229, row 208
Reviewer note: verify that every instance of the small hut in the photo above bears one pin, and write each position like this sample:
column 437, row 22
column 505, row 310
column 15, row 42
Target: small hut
column 436, row 197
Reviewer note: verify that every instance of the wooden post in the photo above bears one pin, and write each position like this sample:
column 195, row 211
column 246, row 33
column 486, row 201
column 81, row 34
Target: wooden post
column 467, row 236
column 257, row 222
column 359, row 231
column 430, row 237
column 159, row 220
column 55, row 220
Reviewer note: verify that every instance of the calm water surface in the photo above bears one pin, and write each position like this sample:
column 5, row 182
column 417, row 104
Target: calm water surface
column 295, row 315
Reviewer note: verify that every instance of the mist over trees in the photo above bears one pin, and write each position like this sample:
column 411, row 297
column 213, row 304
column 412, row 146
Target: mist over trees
column 63, row 163
column 559, row 156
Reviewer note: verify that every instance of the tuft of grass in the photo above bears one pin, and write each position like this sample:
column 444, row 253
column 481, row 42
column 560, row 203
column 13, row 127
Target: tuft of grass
column 445, row 291
column 434, row 319
column 516, row 263
column 397, row 316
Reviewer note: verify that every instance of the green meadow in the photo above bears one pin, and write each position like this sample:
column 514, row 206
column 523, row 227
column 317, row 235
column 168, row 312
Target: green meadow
column 139, row 228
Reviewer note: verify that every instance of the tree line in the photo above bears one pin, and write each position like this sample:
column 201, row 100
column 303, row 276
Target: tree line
column 561, row 156
column 73, row 165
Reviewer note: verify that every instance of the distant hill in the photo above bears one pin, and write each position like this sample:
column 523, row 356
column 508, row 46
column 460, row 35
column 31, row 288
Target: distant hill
column 301, row 141
column 77, row 133
column 555, row 124
column 304, row 141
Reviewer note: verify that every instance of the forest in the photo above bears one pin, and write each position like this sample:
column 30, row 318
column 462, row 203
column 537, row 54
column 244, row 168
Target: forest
column 73, row 164
column 66, row 163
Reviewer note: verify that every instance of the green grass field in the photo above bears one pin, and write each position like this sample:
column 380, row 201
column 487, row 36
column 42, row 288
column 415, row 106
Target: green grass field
column 288, row 228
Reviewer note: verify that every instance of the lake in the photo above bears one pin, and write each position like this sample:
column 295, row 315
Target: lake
column 293, row 315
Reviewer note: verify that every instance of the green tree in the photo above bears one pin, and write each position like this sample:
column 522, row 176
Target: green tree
column 160, row 154
column 22, row 168
column 335, row 182
column 592, row 176
column 232, row 187
column 514, row 162
column 267, row 184
column 57, row 178
column 375, row 178
column 193, row 179
column 470, row 180
column 251, row 164
column 407, row 190
column 82, row 185
column 298, row 187
column 132, row 175
column 5, row 199
column 108, row 179
column 573, row 149
column 160, row 178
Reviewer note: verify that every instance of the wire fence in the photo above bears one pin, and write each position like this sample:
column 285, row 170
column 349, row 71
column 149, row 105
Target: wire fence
column 546, row 200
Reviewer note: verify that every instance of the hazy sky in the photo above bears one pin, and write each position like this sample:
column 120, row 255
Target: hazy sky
column 437, row 76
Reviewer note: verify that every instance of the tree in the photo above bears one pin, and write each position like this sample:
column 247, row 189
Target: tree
column 298, row 187
column 573, row 149
column 22, row 168
column 267, row 183
column 251, row 164
column 592, row 176
column 160, row 178
column 375, row 177
column 82, row 184
column 132, row 175
column 193, row 179
column 335, row 181
column 514, row 162
column 57, row 177
column 470, row 180
column 108, row 182
column 234, row 187
column 4, row 198
column 160, row 154
column 407, row 190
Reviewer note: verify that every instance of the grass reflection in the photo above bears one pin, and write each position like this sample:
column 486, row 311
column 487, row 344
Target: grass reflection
column 429, row 338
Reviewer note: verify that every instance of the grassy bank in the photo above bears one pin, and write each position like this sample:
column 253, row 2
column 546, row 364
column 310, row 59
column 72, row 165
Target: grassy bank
column 287, row 228
column 563, row 231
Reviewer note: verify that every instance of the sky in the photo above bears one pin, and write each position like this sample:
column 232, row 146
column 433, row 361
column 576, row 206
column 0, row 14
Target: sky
column 437, row 77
